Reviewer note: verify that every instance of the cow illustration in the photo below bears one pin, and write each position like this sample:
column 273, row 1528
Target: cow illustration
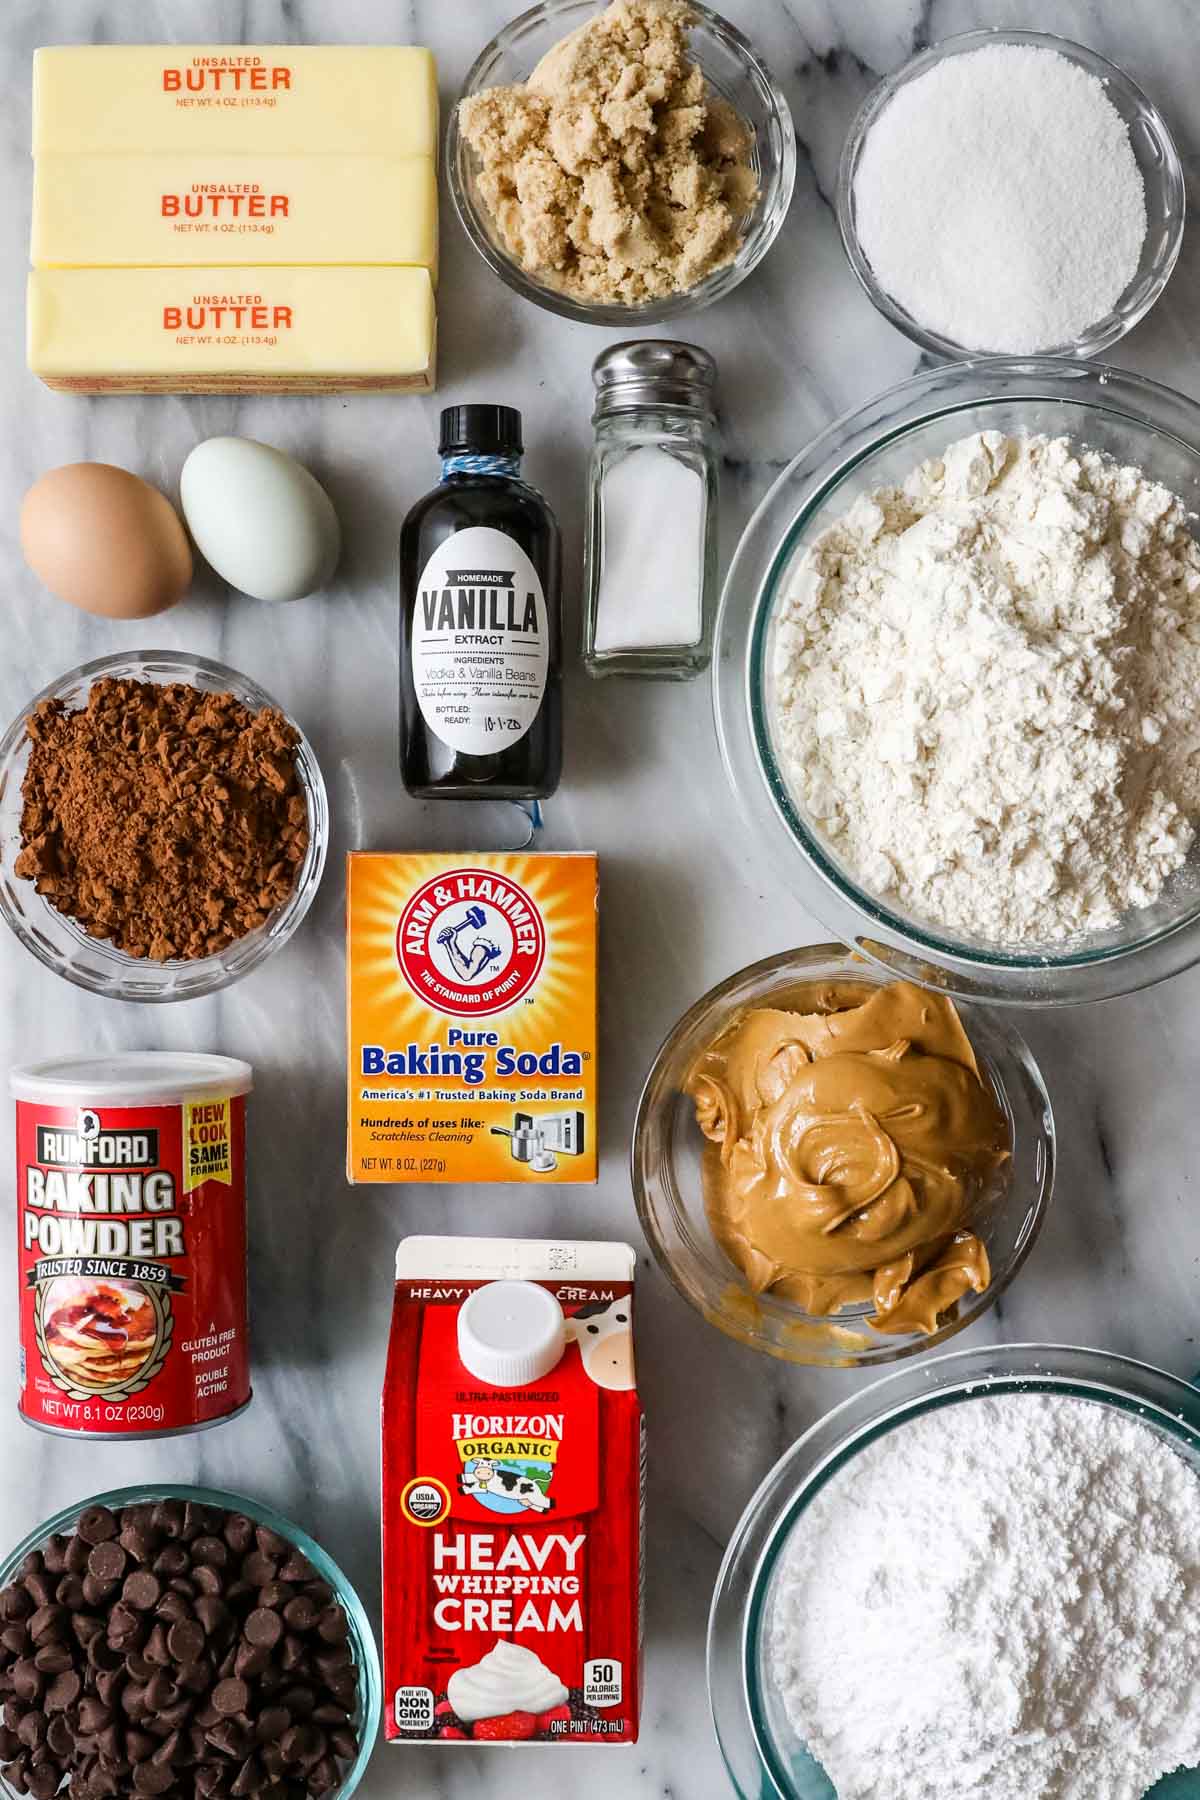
column 501, row 1489
column 604, row 1334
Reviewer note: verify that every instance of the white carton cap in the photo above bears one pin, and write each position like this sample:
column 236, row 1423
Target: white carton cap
column 510, row 1333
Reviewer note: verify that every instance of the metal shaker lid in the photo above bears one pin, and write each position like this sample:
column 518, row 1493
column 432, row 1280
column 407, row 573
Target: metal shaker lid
column 653, row 372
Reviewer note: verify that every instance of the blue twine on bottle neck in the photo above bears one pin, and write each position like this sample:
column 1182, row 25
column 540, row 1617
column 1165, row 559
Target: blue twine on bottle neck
column 467, row 464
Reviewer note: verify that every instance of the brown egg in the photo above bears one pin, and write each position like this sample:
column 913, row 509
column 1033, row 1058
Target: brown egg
column 106, row 541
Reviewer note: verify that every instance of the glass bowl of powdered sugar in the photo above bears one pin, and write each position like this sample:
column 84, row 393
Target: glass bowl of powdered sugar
column 1010, row 192
column 977, row 1575
column 956, row 680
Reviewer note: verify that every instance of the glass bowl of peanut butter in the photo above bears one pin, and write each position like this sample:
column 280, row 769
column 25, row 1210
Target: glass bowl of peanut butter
column 840, row 1169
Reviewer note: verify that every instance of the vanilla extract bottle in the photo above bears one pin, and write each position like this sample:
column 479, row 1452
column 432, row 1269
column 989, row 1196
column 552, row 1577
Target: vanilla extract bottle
column 480, row 622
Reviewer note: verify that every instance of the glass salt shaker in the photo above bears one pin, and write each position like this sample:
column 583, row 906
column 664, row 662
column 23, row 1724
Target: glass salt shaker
column 650, row 559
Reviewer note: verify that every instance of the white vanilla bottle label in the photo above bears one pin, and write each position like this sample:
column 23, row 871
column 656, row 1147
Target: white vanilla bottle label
column 480, row 641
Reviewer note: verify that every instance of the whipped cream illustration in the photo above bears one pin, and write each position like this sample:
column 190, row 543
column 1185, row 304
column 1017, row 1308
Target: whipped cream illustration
column 508, row 1679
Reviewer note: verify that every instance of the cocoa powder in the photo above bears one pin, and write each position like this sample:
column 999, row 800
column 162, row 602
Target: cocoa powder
column 164, row 819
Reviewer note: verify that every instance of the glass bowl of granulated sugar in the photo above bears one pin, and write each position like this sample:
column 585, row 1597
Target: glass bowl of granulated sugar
column 1010, row 192
column 956, row 673
column 977, row 1575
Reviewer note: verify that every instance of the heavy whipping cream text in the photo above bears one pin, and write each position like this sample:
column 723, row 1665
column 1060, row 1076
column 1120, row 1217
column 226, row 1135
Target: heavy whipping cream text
column 512, row 1516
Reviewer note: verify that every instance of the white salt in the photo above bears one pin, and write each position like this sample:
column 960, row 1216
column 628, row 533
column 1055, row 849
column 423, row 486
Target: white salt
column 651, row 553
column 998, row 200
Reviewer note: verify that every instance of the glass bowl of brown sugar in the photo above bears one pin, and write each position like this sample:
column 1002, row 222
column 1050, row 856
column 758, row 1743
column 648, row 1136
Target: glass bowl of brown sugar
column 205, row 875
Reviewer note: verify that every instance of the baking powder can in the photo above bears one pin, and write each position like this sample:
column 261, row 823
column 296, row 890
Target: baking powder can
column 131, row 1246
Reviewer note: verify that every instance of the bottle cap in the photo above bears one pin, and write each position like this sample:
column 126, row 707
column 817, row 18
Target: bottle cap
column 488, row 430
column 654, row 372
column 510, row 1333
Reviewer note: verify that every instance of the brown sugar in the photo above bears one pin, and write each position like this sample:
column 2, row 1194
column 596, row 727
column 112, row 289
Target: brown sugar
column 165, row 819
column 612, row 172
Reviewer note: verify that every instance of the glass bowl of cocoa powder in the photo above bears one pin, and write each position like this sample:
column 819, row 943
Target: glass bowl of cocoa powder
column 157, row 845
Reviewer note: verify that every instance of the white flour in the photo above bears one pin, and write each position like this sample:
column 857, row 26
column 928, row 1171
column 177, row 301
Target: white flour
column 987, row 689
column 1000, row 1602
column 998, row 200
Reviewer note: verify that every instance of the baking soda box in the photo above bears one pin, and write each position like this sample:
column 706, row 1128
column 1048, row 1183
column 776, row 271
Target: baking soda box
column 471, row 1017
column 513, row 1495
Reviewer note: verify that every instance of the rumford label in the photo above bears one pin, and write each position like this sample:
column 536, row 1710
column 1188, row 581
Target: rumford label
column 512, row 1518
column 131, row 1252
column 471, row 1017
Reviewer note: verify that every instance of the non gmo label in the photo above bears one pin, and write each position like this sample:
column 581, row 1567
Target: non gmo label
column 480, row 642
column 414, row 1708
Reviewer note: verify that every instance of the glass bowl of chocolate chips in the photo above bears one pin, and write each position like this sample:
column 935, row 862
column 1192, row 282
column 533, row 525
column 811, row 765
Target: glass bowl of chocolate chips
column 184, row 1643
column 163, row 826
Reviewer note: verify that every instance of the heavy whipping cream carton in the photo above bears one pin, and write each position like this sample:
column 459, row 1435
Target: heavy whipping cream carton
column 513, row 1495
column 471, row 1017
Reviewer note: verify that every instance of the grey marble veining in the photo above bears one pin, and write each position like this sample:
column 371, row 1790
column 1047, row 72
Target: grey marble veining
column 686, row 896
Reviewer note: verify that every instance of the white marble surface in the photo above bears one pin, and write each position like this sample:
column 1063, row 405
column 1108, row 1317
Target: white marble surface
column 686, row 896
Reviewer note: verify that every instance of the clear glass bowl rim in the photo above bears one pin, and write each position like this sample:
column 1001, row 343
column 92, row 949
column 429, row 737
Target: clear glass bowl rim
column 206, row 975
column 657, row 1090
column 1105, row 332
column 761, row 558
column 832, row 1441
column 760, row 234
column 370, row 1678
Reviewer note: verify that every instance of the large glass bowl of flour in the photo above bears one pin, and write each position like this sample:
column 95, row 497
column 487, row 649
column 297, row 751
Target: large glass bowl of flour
column 764, row 1757
column 1135, row 421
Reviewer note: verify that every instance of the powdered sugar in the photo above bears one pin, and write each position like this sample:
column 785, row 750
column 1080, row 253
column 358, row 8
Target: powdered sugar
column 998, row 200
column 1000, row 1599
column 987, row 689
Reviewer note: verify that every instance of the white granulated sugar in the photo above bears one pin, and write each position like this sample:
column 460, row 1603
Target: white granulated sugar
column 987, row 690
column 1000, row 1600
column 998, row 200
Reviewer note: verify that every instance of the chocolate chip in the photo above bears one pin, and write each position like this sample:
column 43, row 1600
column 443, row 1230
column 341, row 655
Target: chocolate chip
column 263, row 1628
column 152, row 1778
column 258, row 1568
column 40, row 1588
column 97, row 1524
column 213, row 1614
column 250, row 1662
column 27, row 1679
column 212, row 1551
column 139, row 1745
column 141, row 1590
column 32, row 1730
column 172, row 1559
column 96, row 1592
column 333, row 1625
column 231, row 1696
column 238, row 1532
column 301, row 1614
column 52, row 1659
column 107, row 1561
column 63, row 1691
column 185, row 1640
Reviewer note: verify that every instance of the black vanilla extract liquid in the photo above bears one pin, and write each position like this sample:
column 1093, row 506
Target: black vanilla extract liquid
column 480, row 622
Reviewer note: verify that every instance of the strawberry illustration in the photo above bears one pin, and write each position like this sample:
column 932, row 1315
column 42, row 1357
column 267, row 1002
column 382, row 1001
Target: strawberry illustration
column 506, row 1728
column 452, row 1731
column 557, row 1715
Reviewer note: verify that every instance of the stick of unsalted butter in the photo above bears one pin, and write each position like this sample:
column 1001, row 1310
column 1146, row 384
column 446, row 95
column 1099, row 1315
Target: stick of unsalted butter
column 123, row 211
column 217, row 330
column 311, row 99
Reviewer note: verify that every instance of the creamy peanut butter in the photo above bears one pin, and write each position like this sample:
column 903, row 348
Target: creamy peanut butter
column 850, row 1141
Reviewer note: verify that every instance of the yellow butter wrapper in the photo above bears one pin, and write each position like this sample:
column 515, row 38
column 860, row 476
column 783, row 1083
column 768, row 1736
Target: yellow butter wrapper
column 471, row 1017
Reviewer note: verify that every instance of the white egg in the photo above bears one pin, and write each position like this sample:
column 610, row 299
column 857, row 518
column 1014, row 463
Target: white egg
column 259, row 518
